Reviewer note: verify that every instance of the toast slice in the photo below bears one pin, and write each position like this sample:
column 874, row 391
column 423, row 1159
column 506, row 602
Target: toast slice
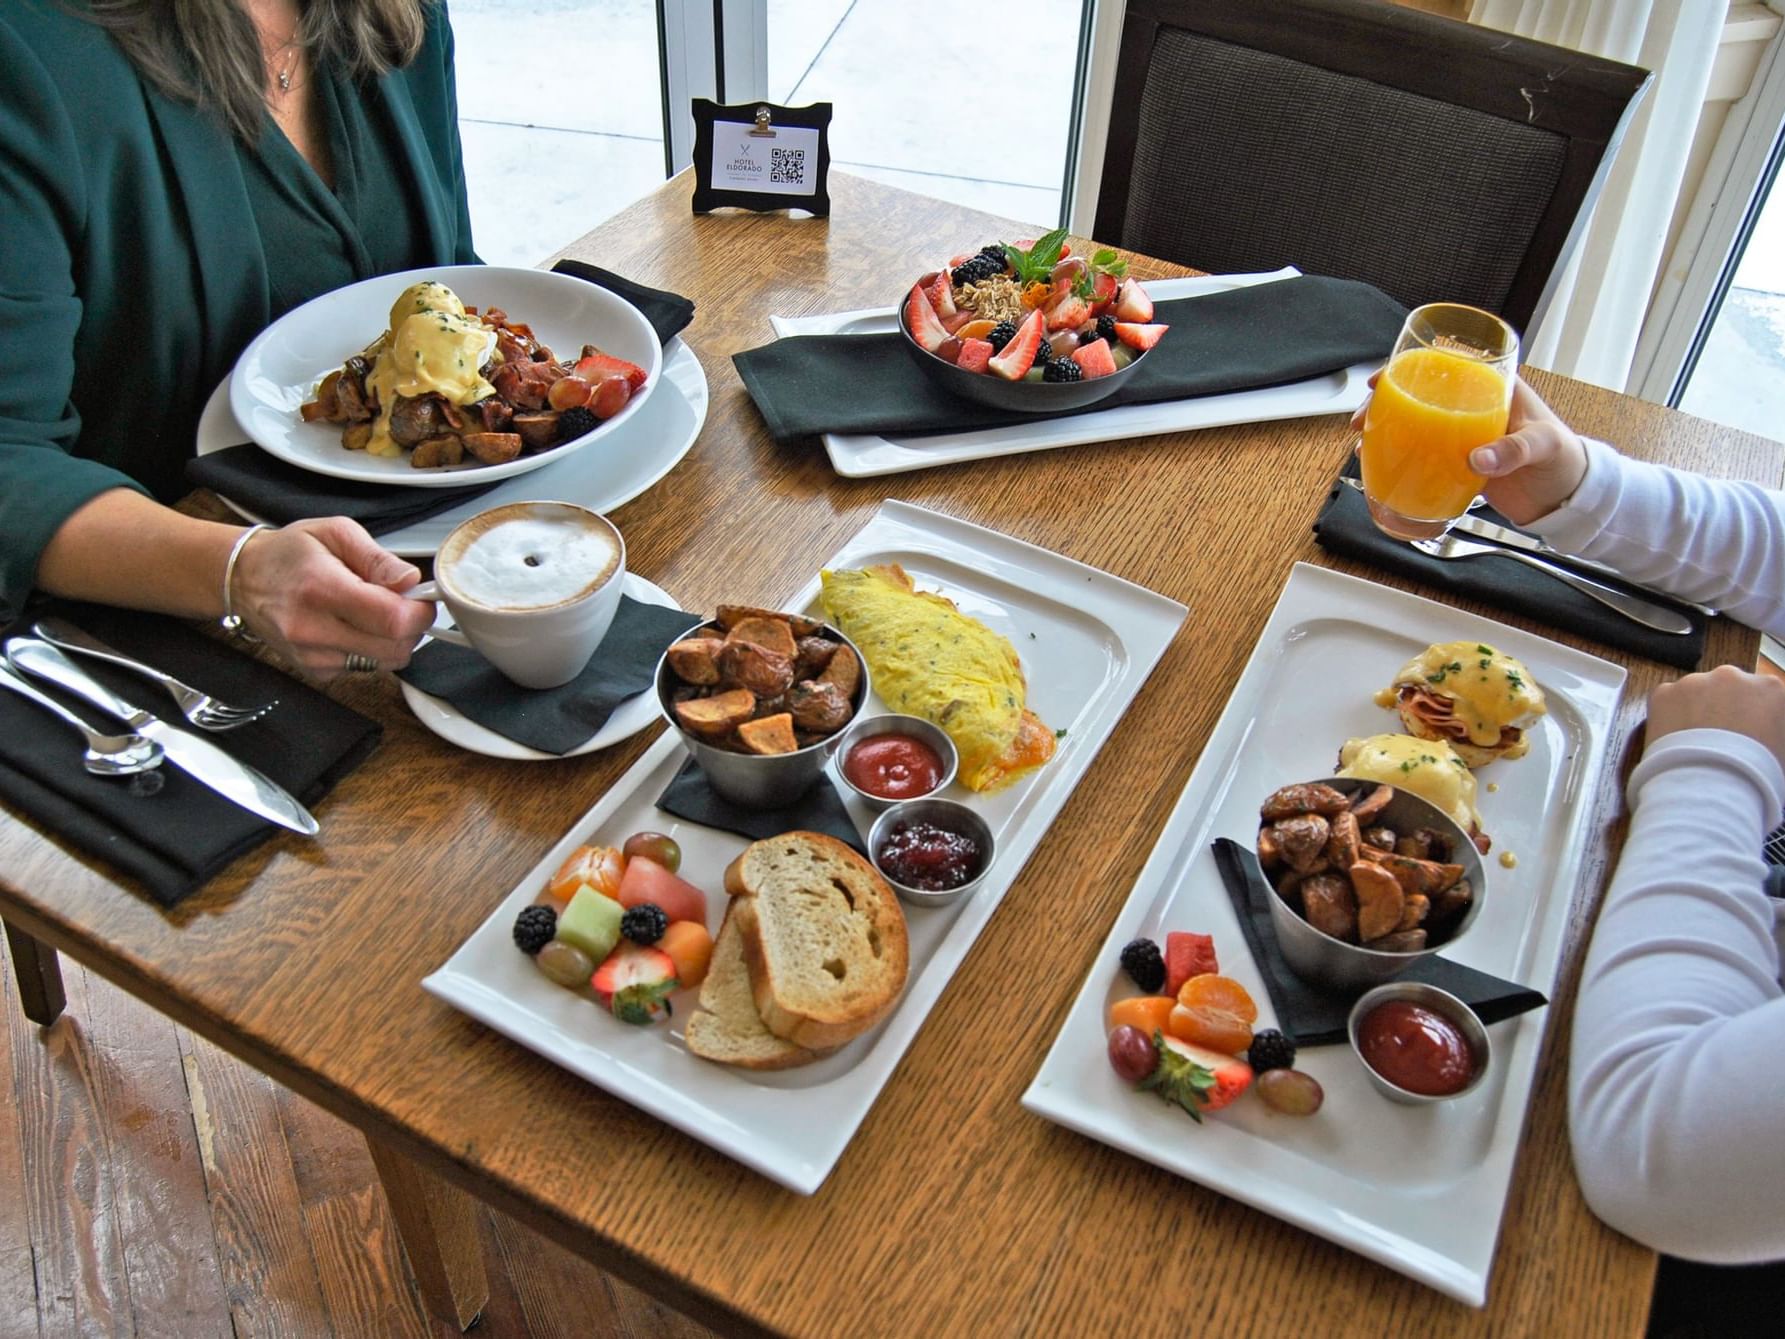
column 726, row 1026
column 824, row 938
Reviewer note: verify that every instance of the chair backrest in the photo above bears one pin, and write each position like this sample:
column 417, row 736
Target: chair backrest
column 1438, row 160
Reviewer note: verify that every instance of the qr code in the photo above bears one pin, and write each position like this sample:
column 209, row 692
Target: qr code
column 787, row 167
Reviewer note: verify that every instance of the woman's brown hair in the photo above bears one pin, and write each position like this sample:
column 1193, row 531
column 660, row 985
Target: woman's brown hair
column 207, row 53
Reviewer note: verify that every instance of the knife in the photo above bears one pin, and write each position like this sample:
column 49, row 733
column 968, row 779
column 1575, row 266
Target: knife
column 1471, row 524
column 234, row 781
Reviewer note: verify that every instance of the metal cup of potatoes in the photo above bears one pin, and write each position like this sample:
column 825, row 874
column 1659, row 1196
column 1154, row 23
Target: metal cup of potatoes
column 761, row 699
column 1383, row 879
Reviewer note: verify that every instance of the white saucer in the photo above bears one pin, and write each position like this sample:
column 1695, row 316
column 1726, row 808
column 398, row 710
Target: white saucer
column 639, row 453
column 631, row 716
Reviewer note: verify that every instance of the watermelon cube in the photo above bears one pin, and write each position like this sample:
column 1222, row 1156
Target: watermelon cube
column 1094, row 359
column 976, row 355
column 1188, row 955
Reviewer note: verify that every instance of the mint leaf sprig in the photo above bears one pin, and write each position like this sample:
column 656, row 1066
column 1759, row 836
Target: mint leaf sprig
column 1036, row 265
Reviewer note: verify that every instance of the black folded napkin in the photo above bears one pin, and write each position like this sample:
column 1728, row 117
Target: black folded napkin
column 1344, row 527
column 820, row 809
column 1316, row 1018
column 163, row 828
column 1264, row 335
column 279, row 492
column 554, row 720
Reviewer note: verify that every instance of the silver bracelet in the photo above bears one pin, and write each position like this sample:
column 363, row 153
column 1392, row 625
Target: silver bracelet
column 232, row 621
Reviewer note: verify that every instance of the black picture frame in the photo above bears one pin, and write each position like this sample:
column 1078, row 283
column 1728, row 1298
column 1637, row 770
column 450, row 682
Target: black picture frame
column 708, row 197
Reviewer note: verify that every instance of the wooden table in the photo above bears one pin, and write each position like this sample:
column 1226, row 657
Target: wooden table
column 953, row 1212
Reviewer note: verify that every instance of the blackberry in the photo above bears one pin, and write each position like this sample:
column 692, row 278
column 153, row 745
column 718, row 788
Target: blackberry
column 1062, row 369
column 1044, row 354
column 644, row 924
column 534, row 928
column 1142, row 960
column 1001, row 334
column 1106, row 328
column 976, row 269
column 995, row 251
column 576, row 421
column 1270, row 1050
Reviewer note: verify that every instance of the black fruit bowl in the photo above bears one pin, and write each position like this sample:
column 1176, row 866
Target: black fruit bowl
column 1021, row 397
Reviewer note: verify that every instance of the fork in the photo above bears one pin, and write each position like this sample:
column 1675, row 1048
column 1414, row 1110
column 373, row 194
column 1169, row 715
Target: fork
column 1645, row 612
column 203, row 710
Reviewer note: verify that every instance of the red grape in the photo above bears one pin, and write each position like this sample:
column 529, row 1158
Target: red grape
column 569, row 392
column 1132, row 1054
column 654, row 846
column 611, row 396
column 949, row 349
column 1291, row 1092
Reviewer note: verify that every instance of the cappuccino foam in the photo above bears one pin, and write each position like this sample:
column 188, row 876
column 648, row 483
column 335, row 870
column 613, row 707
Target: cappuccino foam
column 530, row 560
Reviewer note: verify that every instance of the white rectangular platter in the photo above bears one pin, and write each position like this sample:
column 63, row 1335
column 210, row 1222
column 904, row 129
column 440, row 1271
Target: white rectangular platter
column 1087, row 640
column 1419, row 1189
column 864, row 455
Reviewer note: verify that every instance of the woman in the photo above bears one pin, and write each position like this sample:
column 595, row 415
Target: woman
column 174, row 175
column 1677, row 1081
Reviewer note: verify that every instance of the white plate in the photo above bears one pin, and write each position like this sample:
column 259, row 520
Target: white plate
column 862, row 455
column 644, row 449
column 631, row 716
column 1419, row 1189
column 1088, row 641
column 278, row 372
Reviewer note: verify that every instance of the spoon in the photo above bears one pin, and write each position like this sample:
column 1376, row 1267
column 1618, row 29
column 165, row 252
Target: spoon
column 107, row 755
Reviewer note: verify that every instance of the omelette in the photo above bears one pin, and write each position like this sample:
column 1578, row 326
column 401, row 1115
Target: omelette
column 929, row 659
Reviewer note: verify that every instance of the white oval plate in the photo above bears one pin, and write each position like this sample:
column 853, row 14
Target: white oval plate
column 278, row 372
column 631, row 716
column 640, row 453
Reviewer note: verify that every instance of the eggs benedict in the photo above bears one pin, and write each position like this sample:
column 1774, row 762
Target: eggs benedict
column 1477, row 699
column 1428, row 768
column 431, row 348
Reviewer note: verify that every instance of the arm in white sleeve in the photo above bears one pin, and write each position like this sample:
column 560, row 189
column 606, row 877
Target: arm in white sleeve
column 1676, row 1090
column 1713, row 541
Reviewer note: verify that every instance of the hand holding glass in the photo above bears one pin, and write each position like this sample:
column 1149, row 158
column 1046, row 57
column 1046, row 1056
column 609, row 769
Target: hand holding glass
column 1446, row 390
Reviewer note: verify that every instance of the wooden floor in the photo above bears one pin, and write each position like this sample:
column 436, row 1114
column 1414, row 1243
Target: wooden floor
column 152, row 1185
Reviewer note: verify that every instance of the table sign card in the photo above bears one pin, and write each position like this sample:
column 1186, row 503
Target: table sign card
column 762, row 156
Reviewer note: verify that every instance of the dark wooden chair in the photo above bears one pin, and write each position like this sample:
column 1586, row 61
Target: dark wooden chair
column 1437, row 160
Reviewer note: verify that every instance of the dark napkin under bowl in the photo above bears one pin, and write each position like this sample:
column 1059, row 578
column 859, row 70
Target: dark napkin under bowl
column 279, row 492
column 1314, row 1017
column 553, row 720
column 165, row 829
column 1344, row 527
column 818, row 809
column 1268, row 334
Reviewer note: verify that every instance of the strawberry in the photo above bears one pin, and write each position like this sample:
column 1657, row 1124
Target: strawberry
column 921, row 319
column 976, row 355
column 1196, row 1078
column 1133, row 304
column 941, row 296
column 1067, row 313
column 1188, row 955
column 635, row 982
column 594, row 365
column 1103, row 292
column 1139, row 336
column 1094, row 359
column 1019, row 355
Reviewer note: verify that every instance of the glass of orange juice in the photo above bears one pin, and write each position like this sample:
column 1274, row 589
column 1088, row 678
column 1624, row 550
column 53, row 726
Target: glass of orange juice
column 1446, row 390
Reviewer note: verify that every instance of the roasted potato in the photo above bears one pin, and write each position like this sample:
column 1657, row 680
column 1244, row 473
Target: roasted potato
column 696, row 659
column 1305, row 798
column 1380, row 900
column 445, row 449
column 770, row 734
column 764, row 672
column 817, row 706
column 716, row 716
column 1330, row 906
column 771, row 634
column 730, row 615
column 814, row 654
column 492, row 448
column 1303, row 840
column 844, row 670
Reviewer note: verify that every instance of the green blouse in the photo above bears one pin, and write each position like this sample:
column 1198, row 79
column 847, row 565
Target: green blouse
column 143, row 247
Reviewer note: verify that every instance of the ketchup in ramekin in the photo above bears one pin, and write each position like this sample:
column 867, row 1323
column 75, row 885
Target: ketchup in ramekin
column 893, row 767
column 1416, row 1048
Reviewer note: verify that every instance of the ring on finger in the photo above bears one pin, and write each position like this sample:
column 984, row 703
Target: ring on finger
column 358, row 664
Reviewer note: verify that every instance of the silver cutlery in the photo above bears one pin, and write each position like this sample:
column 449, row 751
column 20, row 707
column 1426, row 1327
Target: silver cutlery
column 1641, row 611
column 230, row 778
column 107, row 755
column 203, row 710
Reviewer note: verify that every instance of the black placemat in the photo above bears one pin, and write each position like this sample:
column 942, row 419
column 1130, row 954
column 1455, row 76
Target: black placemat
column 1263, row 335
column 164, row 829
column 279, row 492
column 554, row 720
column 820, row 809
column 1318, row 1018
column 1344, row 527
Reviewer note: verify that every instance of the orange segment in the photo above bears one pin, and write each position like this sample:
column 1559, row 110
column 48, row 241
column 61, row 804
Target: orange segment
column 1219, row 992
column 1149, row 1013
column 976, row 329
column 1204, row 1025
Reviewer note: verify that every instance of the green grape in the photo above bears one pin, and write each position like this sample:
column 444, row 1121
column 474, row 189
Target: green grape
column 566, row 964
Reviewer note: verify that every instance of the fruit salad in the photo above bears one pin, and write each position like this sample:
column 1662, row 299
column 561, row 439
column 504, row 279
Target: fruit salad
column 1034, row 312
column 620, row 927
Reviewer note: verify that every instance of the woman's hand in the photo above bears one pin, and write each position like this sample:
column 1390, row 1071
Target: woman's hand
column 1534, row 468
column 319, row 591
column 1724, row 699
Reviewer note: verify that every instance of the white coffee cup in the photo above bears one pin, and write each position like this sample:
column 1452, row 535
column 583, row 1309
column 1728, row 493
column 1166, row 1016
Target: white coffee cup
column 533, row 587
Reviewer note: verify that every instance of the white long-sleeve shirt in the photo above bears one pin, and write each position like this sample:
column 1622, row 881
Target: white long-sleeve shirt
column 1677, row 1086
